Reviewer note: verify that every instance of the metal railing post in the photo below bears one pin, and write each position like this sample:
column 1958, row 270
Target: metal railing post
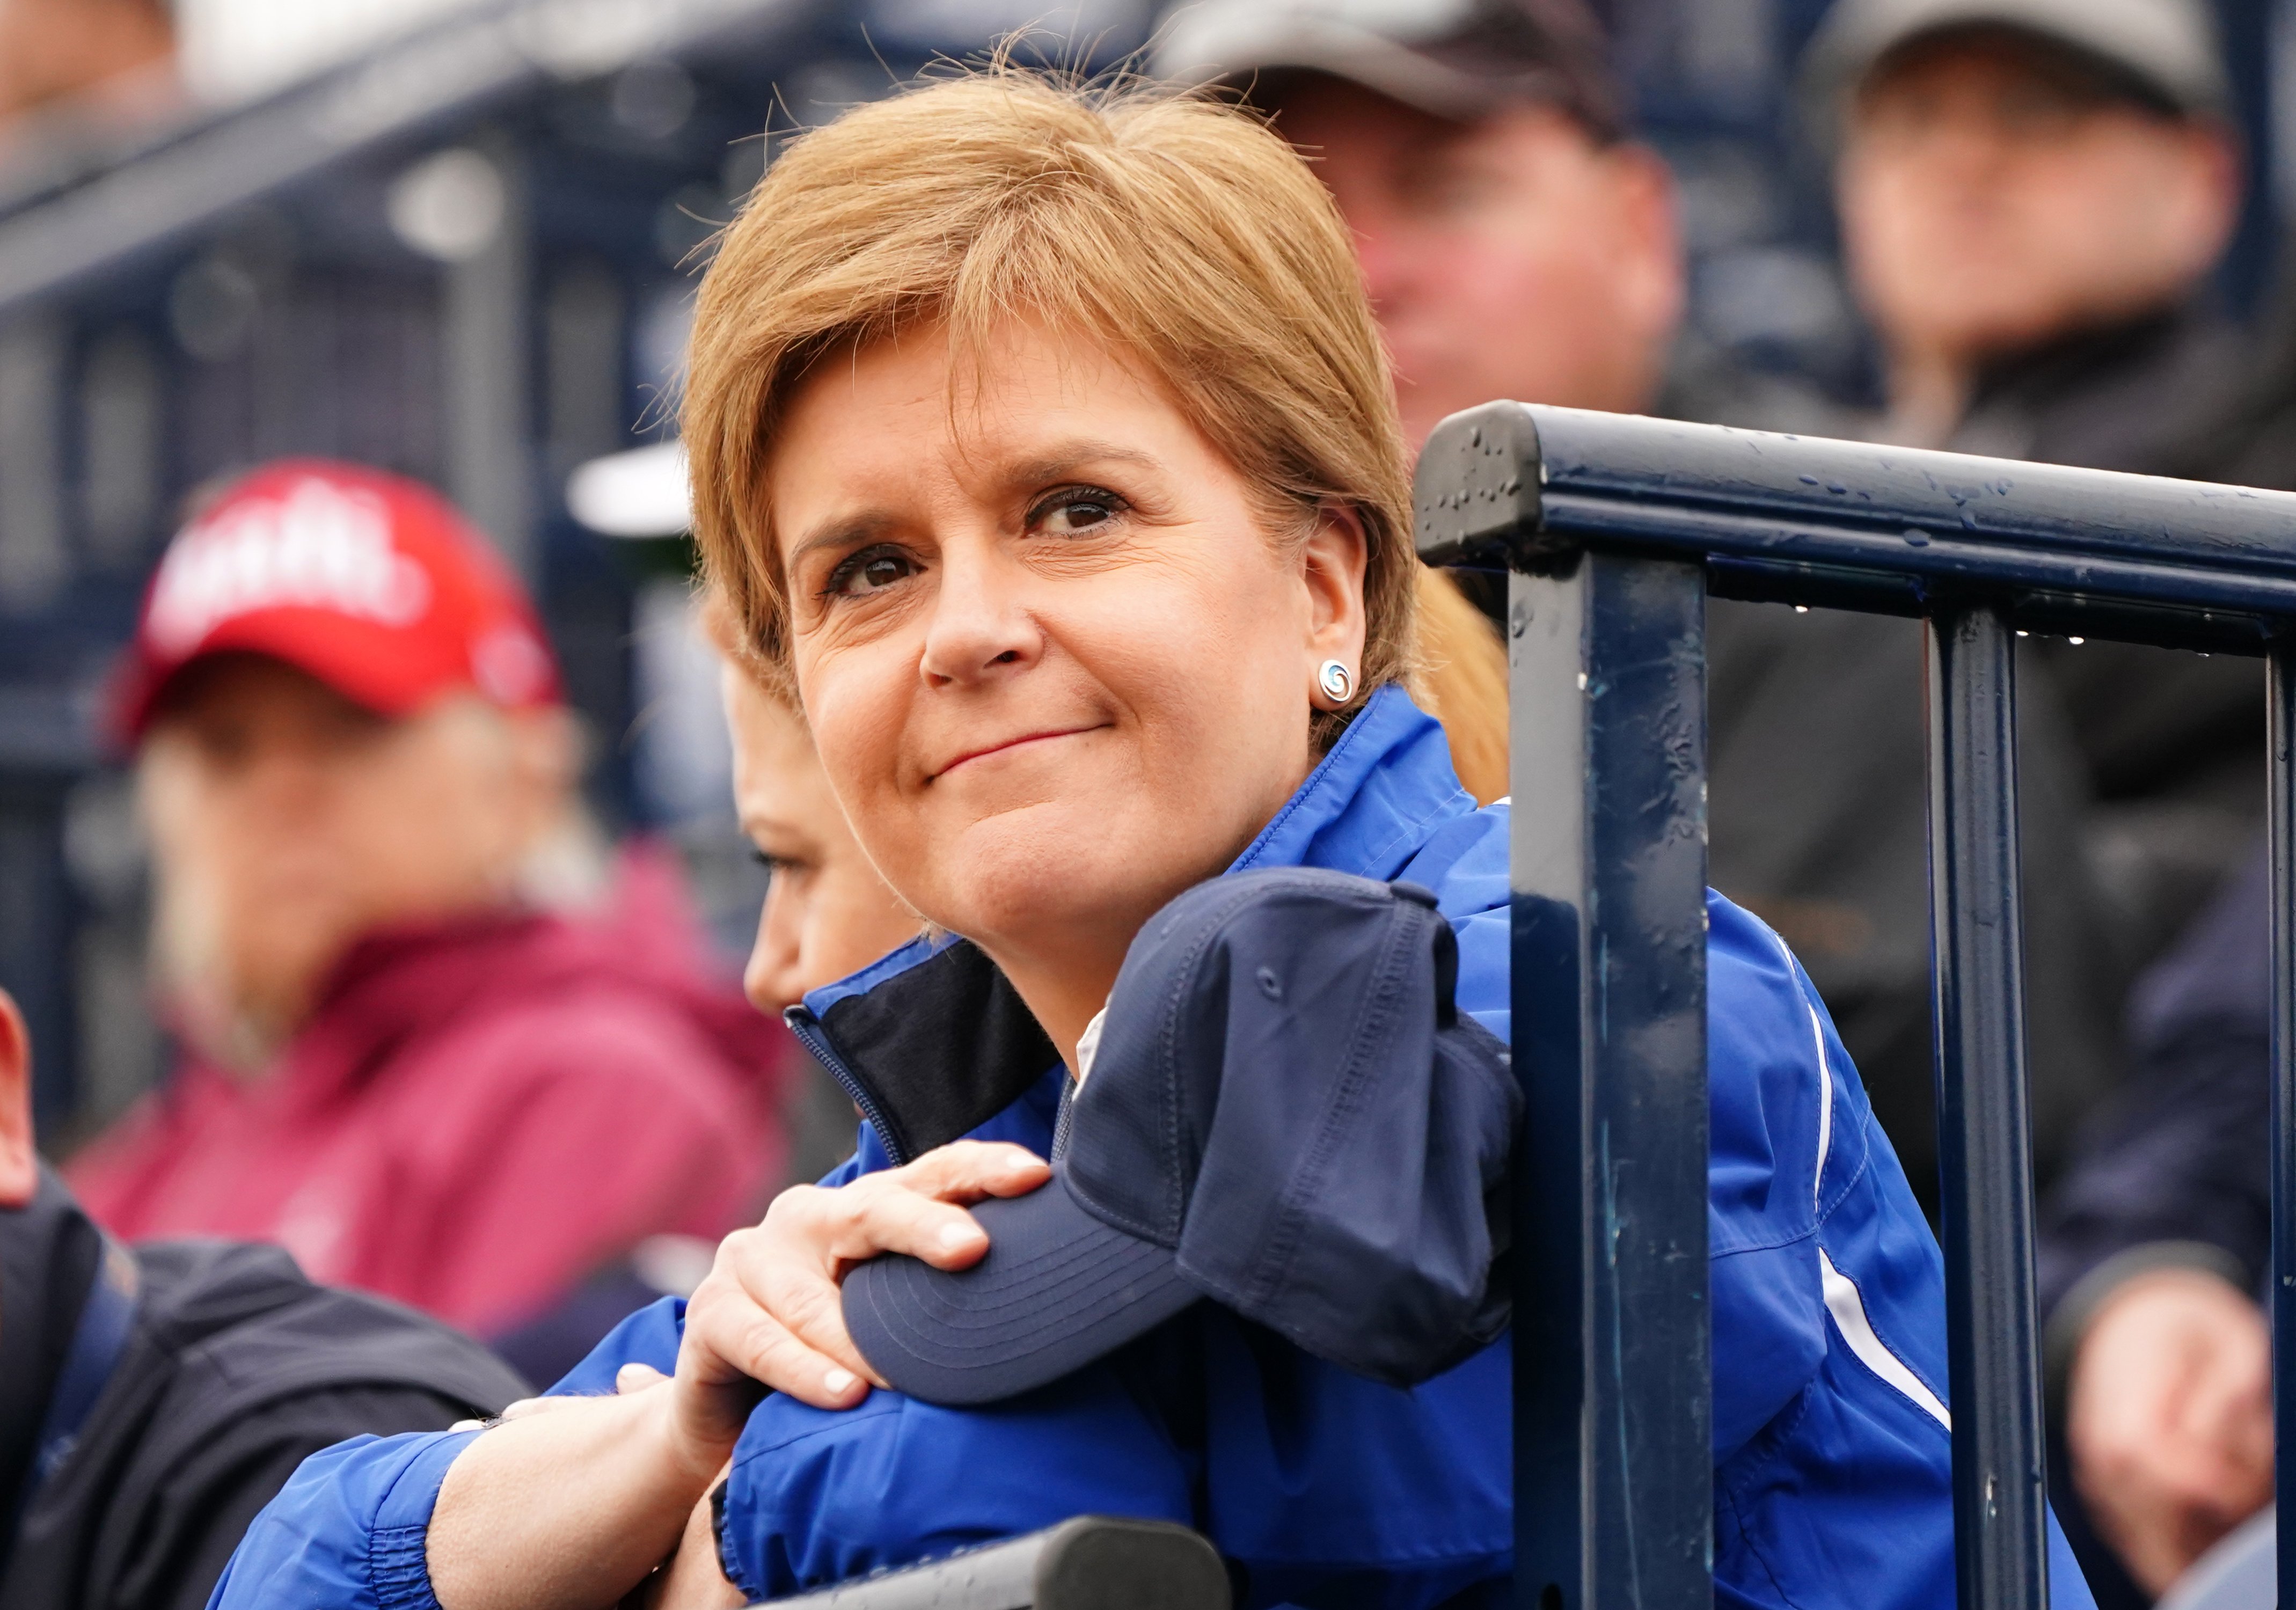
column 1613, row 1374
column 1984, row 1142
column 2279, row 788
column 1613, row 1453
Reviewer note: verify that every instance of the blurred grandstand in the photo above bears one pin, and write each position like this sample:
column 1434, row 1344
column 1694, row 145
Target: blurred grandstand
column 456, row 238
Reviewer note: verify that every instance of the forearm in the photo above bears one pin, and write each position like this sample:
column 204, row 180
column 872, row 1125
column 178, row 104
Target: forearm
column 567, row 1509
column 694, row 1579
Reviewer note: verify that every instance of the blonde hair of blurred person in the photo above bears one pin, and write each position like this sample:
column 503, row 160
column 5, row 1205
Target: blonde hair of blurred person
column 286, row 822
column 827, row 913
column 1462, row 681
column 1995, row 194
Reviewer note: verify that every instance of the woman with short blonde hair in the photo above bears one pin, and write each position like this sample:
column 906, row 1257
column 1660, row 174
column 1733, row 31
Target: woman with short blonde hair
column 1173, row 228
column 1044, row 447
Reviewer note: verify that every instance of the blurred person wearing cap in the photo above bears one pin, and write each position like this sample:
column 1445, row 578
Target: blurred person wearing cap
column 2033, row 194
column 428, row 1052
column 153, row 1398
column 1517, row 241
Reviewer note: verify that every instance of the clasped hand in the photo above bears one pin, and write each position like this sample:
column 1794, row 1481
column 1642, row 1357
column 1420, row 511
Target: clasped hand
column 769, row 1315
column 2170, row 1419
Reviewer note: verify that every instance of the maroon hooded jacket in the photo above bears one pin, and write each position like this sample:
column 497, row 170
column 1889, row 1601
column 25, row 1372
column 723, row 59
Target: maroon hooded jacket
column 477, row 1115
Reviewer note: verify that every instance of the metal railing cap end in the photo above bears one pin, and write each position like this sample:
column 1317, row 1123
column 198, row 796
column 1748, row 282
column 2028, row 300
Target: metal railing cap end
column 1476, row 492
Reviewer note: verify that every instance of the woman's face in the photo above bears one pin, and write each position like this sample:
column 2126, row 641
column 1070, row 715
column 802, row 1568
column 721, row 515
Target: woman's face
column 1055, row 669
column 827, row 913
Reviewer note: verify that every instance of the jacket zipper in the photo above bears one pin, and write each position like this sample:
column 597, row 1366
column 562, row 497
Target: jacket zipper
column 815, row 1039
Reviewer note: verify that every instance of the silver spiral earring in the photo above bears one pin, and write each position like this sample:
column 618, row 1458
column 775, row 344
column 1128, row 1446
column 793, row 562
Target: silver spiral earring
column 1337, row 681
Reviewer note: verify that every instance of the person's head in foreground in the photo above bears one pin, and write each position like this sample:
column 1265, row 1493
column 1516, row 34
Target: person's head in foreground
column 1514, row 240
column 345, row 718
column 1043, row 446
column 154, row 1399
column 2013, row 172
column 1075, row 575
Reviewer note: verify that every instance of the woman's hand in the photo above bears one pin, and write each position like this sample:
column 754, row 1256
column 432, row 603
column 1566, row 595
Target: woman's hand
column 2169, row 1419
column 769, row 1316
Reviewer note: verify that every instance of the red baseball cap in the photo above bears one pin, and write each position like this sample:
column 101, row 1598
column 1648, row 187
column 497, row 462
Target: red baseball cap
column 369, row 582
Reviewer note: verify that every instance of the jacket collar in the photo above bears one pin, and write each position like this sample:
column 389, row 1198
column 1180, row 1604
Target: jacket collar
column 49, row 1252
column 932, row 1041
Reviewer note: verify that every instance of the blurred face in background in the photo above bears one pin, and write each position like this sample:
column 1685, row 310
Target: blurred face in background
column 827, row 913
column 1994, row 195
column 51, row 50
column 1513, row 257
column 286, row 822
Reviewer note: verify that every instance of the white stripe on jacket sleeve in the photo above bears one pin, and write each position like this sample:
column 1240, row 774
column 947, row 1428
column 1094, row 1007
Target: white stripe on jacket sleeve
column 1842, row 1298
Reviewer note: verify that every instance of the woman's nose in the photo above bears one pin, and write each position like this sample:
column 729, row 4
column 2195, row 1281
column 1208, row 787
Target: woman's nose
column 979, row 625
column 771, row 980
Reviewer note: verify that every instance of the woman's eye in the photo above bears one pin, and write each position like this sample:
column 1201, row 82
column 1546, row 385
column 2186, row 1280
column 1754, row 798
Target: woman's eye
column 782, row 871
column 1074, row 514
column 870, row 570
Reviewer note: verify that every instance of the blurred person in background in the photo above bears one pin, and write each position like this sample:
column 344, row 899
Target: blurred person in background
column 1515, row 241
column 153, row 1400
column 1518, row 242
column 71, row 71
column 2153, row 1252
column 2033, row 196
column 827, row 913
column 429, row 1053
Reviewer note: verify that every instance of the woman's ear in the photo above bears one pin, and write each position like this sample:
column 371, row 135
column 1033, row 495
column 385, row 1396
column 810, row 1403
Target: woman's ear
column 19, row 1164
column 1334, row 562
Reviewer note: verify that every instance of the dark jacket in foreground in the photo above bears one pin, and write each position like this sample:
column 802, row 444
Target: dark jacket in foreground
column 233, row 1369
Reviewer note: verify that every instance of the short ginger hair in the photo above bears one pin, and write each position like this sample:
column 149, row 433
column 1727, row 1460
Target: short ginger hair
column 1182, row 231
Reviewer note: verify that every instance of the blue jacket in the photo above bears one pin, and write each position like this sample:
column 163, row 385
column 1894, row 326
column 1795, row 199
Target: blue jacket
column 1833, row 1471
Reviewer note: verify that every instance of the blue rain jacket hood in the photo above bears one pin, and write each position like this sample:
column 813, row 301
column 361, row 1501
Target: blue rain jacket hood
column 1833, row 1478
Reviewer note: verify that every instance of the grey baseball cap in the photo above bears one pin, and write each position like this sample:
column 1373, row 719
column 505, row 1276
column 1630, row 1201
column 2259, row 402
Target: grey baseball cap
column 2165, row 50
column 1456, row 59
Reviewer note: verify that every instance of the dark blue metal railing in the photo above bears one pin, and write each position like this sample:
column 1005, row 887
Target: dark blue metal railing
column 1613, row 530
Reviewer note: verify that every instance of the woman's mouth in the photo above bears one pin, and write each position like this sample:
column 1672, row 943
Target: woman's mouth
column 1008, row 745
